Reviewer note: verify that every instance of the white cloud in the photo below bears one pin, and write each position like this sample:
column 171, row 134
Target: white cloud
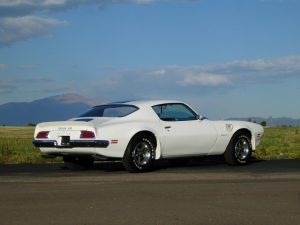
column 186, row 1
column 29, row 66
column 31, row 80
column 13, row 29
column 3, row 66
column 204, row 79
column 25, row 7
column 285, row 64
column 174, row 80
column 273, row 0
column 55, row 90
column 258, row 71
column 6, row 88
column 10, row 86
column 159, row 72
column 18, row 19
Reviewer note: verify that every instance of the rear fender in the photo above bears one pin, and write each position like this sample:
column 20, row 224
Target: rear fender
column 158, row 142
column 124, row 132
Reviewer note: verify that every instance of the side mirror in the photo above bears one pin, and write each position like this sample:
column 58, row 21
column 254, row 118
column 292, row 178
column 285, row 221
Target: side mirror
column 200, row 117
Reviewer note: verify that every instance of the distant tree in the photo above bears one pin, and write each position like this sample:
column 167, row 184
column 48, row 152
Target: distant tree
column 249, row 120
column 31, row 125
column 263, row 123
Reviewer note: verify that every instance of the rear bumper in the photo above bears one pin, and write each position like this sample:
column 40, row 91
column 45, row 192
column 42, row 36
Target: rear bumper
column 72, row 144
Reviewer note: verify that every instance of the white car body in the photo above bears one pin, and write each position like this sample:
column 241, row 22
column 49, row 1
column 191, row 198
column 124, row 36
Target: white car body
column 112, row 135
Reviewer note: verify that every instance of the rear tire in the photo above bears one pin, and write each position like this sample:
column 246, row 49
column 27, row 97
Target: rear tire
column 140, row 154
column 239, row 150
column 78, row 162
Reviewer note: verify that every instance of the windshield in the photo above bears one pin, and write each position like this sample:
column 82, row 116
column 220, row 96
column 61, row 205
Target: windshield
column 113, row 110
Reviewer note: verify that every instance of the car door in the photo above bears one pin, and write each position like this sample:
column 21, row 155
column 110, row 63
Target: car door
column 185, row 134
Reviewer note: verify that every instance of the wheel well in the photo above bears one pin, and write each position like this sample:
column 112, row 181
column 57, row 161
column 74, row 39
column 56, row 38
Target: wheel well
column 244, row 131
column 147, row 134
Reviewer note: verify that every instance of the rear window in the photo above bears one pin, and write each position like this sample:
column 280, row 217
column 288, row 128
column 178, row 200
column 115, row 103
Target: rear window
column 113, row 110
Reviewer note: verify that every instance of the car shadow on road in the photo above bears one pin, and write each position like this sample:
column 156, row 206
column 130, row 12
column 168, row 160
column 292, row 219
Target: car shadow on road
column 204, row 164
column 161, row 165
column 158, row 165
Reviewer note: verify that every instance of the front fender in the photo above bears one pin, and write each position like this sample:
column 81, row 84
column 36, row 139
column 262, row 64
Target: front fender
column 256, row 131
column 226, row 129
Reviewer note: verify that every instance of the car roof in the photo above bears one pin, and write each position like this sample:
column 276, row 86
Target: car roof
column 143, row 103
column 149, row 103
column 145, row 106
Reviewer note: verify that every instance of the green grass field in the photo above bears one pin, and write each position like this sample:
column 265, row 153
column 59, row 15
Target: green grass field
column 16, row 145
column 280, row 143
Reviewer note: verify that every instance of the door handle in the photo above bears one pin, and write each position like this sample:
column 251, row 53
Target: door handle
column 167, row 127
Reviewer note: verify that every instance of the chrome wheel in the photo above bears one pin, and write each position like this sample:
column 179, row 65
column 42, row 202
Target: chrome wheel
column 242, row 149
column 239, row 149
column 142, row 153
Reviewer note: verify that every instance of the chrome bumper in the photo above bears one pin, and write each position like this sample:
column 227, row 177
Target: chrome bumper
column 71, row 144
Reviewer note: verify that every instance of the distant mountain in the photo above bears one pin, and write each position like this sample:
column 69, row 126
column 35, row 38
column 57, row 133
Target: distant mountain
column 282, row 121
column 62, row 107
column 59, row 107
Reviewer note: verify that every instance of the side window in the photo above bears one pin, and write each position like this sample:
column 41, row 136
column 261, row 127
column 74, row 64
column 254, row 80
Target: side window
column 174, row 112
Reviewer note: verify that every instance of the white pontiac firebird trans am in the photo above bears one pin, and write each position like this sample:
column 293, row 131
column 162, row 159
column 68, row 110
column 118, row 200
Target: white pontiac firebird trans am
column 140, row 132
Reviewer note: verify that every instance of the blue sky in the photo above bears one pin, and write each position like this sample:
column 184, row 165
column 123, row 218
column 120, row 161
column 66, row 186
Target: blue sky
column 230, row 58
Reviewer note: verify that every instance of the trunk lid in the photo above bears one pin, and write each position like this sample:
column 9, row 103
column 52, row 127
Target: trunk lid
column 64, row 130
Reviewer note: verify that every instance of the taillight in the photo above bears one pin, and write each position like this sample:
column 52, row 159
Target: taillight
column 87, row 134
column 42, row 135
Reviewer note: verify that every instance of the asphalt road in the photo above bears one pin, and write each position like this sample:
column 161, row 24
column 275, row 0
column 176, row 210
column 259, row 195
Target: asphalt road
column 205, row 192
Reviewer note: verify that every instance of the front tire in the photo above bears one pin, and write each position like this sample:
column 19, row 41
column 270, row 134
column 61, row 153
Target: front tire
column 239, row 150
column 139, row 155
